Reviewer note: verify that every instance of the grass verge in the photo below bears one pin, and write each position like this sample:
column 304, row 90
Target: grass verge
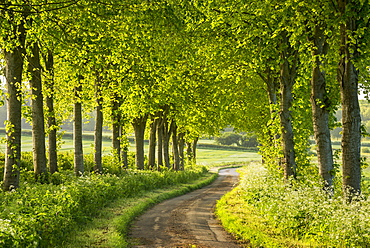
column 111, row 226
column 264, row 211
column 244, row 221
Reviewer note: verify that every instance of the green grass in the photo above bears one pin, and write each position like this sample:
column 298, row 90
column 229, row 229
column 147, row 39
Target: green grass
column 212, row 156
column 46, row 215
column 111, row 227
column 263, row 211
column 205, row 156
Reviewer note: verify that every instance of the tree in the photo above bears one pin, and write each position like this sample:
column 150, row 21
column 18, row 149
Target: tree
column 175, row 147
column 14, row 53
column 288, row 74
column 37, row 104
column 270, row 39
column 353, row 30
column 152, row 141
column 77, row 130
column 116, row 125
column 98, row 133
column 139, row 124
column 322, row 101
column 51, row 117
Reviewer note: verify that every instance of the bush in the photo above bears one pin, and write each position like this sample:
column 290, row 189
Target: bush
column 42, row 215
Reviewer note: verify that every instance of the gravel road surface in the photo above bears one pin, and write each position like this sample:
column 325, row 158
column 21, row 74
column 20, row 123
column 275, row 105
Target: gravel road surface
column 188, row 220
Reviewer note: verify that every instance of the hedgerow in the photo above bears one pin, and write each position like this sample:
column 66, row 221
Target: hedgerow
column 42, row 215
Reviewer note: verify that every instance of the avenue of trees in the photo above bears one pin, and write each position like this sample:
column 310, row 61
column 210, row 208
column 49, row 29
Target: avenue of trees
column 186, row 68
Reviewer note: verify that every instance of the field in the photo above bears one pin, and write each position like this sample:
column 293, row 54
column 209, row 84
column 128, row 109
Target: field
column 205, row 156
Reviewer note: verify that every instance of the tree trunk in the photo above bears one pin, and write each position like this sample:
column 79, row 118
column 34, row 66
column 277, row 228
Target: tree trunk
column 166, row 143
column 272, row 89
column 116, row 128
column 194, row 150
column 160, row 131
column 125, row 150
column 271, row 146
column 320, row 110
column 98, row 134
column 13, row 73
column 351, row 119
column 189, row 152
column 181, row 150
column 77, row 135
column 51, row 121
column 175, row 147
column 152, row 142
column 37, row 105
column 139, row 124
column 287, row 79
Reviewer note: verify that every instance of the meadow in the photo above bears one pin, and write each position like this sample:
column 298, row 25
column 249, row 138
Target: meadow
column 205, row 156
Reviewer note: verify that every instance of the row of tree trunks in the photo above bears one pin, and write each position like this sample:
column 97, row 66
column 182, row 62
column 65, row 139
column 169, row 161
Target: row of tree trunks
column 161, row 132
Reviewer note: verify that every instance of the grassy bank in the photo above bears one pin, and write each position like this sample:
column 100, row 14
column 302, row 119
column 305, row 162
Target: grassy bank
column 110, row 227
column 45, row 215
column 265, row 212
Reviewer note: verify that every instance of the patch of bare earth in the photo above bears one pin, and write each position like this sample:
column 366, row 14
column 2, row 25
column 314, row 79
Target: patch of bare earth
column 188, row 220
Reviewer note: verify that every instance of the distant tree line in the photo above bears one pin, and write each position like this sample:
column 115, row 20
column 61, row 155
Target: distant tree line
column 242, row 140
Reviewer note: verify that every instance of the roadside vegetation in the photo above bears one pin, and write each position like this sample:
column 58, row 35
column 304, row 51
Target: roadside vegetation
column 265, row 211
column 46, row 215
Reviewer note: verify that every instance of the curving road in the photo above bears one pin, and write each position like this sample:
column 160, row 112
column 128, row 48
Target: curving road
column 188, row 220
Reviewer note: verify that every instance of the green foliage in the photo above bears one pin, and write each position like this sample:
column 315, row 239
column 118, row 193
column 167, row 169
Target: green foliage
column 231, row 138
column 270, row 213
column 65, row 163
column 249, row 141
column 41, row 215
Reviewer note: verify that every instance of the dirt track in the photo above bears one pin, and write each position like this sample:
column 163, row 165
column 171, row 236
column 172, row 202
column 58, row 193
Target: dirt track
column 188, row 220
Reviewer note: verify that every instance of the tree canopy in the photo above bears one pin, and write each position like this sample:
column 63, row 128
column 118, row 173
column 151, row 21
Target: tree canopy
column 191, row 68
